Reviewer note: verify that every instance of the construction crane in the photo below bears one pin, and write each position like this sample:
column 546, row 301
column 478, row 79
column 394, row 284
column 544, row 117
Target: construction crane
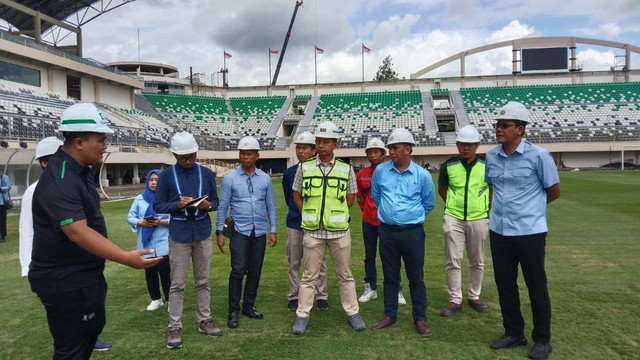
column 286, row 41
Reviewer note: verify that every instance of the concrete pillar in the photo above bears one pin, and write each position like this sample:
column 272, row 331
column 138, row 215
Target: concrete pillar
column 627, row 63
column 315, row 91
column 50, row 79
column 96, row 90
column 136, row 176
column 79, row 42
column 462, row 71
column 118, row 175
column 573, row 66
column 103, row 177
column 269, row 92
column 37, row 30
column 514, row 61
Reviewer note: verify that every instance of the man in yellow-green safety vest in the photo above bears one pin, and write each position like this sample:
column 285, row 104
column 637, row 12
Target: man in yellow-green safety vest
column 466, row 222
column 324, row 189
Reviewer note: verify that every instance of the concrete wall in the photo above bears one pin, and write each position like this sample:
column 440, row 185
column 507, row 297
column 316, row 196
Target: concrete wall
column 114, row 95
column 58, row 82
column 87, row 89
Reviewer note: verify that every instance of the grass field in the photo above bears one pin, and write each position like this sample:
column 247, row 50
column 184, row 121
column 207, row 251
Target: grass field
column 593, row 266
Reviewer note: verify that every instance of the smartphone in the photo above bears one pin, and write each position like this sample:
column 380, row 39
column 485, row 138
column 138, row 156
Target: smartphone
column 150, row 218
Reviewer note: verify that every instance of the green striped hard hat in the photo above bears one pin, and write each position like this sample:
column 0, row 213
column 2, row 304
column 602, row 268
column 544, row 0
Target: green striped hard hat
column 84, row 117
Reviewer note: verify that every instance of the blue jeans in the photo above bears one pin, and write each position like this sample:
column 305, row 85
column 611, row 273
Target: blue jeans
column 403, row 243
column 370, row 237
column 247, row 255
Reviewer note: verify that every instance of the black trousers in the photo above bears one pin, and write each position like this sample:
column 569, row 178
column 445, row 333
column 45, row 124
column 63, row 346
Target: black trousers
column 247, row 255
column 76, row 318
column 397, row 244
column 3, row 220
column 528, row 252
column 151, row 274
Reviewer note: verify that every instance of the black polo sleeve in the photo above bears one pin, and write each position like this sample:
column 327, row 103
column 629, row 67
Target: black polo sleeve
column 61, row 201
column 443, row 179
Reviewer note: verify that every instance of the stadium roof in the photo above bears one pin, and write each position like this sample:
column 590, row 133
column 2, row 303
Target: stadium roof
column 61, row 10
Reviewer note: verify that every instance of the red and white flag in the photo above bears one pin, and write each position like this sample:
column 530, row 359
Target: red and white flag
column 273, row 52
column 227, row 55
column 319, row 51
column 365, row 48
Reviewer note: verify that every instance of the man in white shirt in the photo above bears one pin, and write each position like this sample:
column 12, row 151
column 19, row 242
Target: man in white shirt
column 45, row 148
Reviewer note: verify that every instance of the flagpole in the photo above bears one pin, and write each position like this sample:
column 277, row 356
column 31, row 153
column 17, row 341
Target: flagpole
column 362, row 48
column 315, row 62
column 269, row 66
column 224, row 59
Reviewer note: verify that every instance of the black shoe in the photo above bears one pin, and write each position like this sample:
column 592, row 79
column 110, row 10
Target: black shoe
column 508, row 342
column 293, row 305
column 2, row 239
column 322, row 305
column 478, row 305
column 452, row 310
column 234, row 320
column 540, row 351
column 252, row 313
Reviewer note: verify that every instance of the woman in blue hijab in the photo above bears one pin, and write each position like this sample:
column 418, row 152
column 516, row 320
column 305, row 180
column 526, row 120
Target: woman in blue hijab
column 153, row 233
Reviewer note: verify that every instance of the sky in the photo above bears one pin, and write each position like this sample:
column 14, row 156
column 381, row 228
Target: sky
column 415, row 33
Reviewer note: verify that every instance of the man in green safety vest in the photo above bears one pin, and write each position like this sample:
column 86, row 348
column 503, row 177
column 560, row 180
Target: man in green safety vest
column 324, row 189
column 466, row 222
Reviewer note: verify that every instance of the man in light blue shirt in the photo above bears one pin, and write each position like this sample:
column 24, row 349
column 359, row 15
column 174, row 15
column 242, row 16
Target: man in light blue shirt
column 404, row 194
column 249, row 192
column 524, row 179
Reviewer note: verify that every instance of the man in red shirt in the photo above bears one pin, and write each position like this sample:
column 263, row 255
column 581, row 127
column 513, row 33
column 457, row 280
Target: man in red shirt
column 375, row 151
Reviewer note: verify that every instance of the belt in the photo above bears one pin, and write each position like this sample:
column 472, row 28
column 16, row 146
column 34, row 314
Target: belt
column 401, row 227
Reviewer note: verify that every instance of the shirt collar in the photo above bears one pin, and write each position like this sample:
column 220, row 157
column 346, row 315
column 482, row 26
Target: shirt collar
column 75, row 166
column 519, row 149
column 242, row 172
column 333, row 159
column 181, row 169
column 408, row 169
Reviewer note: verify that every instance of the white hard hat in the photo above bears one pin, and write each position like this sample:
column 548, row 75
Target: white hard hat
column 375, row 143
column 47, row 146
column 248, row 143
column 327, row 130
column 306, row 138
column 84, row 117
column 468, row 134
column 513, row 110
column 401, row 136
column 183, row 143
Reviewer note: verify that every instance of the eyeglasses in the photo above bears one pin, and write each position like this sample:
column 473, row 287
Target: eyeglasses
column 250, row 185
column 503, row 126
column 185, row 158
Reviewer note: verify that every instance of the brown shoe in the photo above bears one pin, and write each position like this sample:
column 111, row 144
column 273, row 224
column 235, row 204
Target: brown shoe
column 422, row 329
column 384, row 323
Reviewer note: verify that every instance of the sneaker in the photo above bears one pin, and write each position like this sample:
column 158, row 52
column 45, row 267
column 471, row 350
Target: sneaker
column 102, row 345
column 174, row 340
column 478, row 306
column 293, row 305
column 209, row 328
column 155, row 305
column 540, row 351
column 452, row 310
column 322, row 305
column 508, row 342
column 300, row 326
column 401, row 300
column 368, row 294
column 356, row 322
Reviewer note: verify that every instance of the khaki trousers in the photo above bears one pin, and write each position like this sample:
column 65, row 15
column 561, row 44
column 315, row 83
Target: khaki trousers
column 294, row 258
column 180, row 255
column 458, row 235
column 313, row 256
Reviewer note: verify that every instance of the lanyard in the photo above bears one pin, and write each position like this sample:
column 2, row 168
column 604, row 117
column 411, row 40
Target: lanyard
column 177, row 182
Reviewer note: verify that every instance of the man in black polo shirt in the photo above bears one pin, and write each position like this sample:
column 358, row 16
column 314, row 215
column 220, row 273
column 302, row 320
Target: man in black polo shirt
column 70, row 237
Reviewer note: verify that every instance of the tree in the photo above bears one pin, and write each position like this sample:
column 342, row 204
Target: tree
column 385, row 72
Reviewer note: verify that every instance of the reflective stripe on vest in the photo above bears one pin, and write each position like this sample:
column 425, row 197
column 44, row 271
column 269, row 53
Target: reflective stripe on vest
column 467, row 195
column 179, row 189
column 325, row 197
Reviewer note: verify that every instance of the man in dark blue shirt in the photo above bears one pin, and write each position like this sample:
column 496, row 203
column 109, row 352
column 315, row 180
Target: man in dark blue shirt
column 189, row 233
column 305, row 150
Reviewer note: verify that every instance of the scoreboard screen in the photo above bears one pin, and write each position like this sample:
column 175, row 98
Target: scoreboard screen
column 545, row 59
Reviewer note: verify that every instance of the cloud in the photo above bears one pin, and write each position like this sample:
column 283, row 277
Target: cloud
column 194, row 33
